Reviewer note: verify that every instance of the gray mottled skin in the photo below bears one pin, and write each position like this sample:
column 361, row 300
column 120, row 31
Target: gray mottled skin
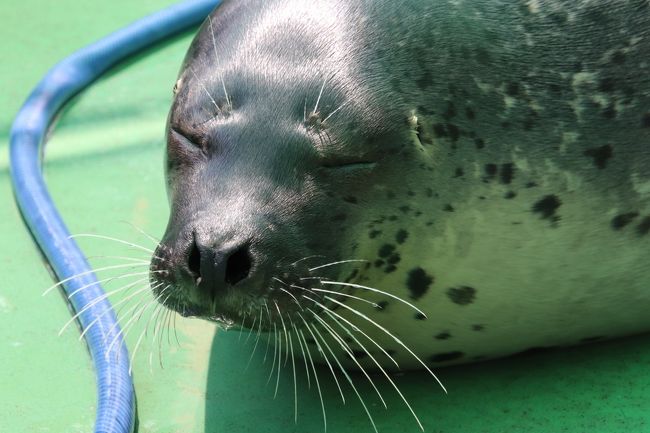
column 489, row 159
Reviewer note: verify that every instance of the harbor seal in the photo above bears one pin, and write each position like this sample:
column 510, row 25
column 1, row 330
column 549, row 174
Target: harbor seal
column 412, row 183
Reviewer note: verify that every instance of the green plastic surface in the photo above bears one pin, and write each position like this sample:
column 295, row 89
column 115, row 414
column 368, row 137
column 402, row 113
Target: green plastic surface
column 104, row 167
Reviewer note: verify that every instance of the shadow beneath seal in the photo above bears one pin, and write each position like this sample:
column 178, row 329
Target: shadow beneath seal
column 575, row 389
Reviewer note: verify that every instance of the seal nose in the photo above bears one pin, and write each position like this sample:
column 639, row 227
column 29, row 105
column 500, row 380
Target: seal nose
column 215, row 268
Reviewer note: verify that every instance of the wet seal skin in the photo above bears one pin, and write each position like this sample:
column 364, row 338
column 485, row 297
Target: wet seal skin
column 378, row 183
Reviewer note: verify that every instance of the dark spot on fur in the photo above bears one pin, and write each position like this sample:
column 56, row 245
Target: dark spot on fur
column 401, row 236
column 381, row 305
column 512, row 89
column 507, row 172
column 478, row 327
column 607, row 85
column 439, row 130
column 448, row 208
column 390, row 268
column 459, row 172
column 621, row 220
column 644, row 226
column 480, row 143
column 531, row 185
column 454, row 131
column 510, row 195
column 350, row 199
column 393, row 218
column 600, row 155
column 428, row 192
column 469, row 113
column 418, row 282
column 406, row 208
column 547, row 206
column 462, row 295
column 379, row 263
column 420, row 316
column 448, row 356
column 491, row 169
column 374, row 233
column 443, row 336
column 410, row 193
column 618, row 57
column 450, row 111
column 390, row 194
column 610, row 111
column 393, row 258
column 645, row 120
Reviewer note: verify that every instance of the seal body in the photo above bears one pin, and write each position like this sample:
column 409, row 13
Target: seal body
column 484, row 166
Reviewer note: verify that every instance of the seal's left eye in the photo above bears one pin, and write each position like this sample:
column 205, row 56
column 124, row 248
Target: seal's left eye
column 187, row 141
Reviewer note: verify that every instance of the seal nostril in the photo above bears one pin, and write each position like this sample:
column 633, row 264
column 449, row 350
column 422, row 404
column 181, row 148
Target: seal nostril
column 238, row 266
column 194, row 261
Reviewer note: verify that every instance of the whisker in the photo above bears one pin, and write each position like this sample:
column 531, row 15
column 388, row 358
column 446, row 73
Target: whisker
column 374, row 304
column 138, row 229
column 322, row 352
column 275, row 351
column 214, row 45
column 241, row 328
column 334, row 315
column 320, row 393
column 347, row 349
column 251, row 328
column 304, row 357
column 80, row 274
column 336, row 263
column 356, row 340
column 387, row 332
column 257, row 340
column 290, row 294
column 295, row 382
column 308, row 257
column 154, row 313
column 122, row 301
column 219, row 111
column 134, row 307
column 108, row 279
column 95, row 302
column 319, row 96
column 347, row 376
column 333, row 112
column 131, row 259
column 372, row 289
column 286, row 335
column 109, row 238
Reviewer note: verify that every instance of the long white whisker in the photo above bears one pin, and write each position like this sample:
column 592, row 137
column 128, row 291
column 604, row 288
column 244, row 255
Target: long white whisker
column 319, row 96
column 304, row 357
column 372, row 289
column 333, row 112
column 332, row 315
column 387, row 332
column 92, row 304
column 322, row 352
column 206, row 91
column 347, row 376
column 335, row 263
column 320, row 393
column 347, row 350
column 138, row 229
column 109, row 238
column 216, row 57
column 345, row 295
column 104, row 280
column 105, row 268
column 275, row 352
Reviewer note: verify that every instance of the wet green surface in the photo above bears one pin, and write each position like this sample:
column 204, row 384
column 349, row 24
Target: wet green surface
column 104, row 166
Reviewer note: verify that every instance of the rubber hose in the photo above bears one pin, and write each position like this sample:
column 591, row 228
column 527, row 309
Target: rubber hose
column 115, row 392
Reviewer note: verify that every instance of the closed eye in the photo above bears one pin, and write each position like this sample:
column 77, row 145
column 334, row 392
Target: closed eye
column 187, row 141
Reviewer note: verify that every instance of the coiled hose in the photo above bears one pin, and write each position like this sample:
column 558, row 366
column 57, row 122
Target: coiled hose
column 116, row 397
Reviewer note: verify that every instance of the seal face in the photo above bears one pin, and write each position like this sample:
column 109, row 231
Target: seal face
column 457, row 180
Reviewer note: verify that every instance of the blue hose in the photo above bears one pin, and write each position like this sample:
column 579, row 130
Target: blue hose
column 116, row 397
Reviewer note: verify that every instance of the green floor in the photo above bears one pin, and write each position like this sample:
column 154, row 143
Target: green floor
column 104, row 167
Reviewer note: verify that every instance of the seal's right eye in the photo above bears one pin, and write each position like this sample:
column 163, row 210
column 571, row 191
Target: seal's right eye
column 184, row 144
